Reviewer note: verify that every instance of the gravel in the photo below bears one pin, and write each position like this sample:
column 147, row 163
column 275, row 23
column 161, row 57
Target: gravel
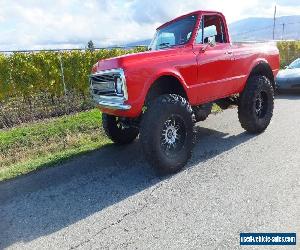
column 111, row 199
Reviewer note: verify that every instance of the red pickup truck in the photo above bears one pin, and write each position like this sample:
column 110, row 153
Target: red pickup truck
column 158, row 95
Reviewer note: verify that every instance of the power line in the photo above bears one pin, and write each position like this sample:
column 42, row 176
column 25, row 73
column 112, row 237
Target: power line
column 274, row 24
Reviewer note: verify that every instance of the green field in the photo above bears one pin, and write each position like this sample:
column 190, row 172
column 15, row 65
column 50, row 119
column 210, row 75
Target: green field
column 36, row 145
column 33, row 146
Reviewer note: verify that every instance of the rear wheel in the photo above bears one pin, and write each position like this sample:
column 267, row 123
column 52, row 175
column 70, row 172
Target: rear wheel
column 167, row 133
column 117, row 131
column 256, row 104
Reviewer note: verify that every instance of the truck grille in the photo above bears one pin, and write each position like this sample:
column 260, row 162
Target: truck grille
column 103, row 84
column 109, row 85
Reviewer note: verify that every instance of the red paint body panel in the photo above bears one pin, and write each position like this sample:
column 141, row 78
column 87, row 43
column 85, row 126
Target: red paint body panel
column 219, row 72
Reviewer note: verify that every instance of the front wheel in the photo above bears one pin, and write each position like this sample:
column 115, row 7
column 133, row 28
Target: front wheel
column 256, row 104
column 117, row 131
column 167, row 133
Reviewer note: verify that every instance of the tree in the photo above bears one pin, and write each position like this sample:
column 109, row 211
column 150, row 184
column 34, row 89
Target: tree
column 91, row 46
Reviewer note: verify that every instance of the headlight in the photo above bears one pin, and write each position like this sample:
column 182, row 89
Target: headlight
column 119, row 85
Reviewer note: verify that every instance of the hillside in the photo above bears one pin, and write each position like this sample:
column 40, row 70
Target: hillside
column 262, row 29
column 256, row 28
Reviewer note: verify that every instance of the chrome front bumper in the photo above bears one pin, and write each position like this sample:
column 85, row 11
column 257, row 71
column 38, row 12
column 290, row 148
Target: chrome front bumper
column 113, row 106
column 113, row 103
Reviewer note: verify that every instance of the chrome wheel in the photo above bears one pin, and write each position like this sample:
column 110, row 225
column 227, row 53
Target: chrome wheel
column 173, row 135
column 261, row 104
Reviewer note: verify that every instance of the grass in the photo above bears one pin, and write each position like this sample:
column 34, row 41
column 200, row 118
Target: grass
column 216, row 109
column 35, row 145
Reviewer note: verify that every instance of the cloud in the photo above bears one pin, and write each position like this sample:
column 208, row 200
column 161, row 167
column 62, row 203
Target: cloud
column 71, row 23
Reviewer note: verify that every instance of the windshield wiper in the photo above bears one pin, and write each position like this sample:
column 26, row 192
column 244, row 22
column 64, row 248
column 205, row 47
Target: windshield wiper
column 166, row 45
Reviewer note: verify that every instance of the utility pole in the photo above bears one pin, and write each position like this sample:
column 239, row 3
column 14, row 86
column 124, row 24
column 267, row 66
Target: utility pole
column 283, row 28
column 274, row 24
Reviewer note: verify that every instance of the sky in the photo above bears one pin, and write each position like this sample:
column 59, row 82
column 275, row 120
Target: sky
column 41, row 24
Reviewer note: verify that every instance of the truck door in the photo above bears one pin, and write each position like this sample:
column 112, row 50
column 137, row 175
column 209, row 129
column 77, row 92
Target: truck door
column 215, row 64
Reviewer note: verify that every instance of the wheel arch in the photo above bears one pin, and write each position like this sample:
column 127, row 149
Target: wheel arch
column 263, row 68
column 166, row 84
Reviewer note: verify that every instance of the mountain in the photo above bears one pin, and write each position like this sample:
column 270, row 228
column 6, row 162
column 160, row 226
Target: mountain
column 257, row 29
column 287, row 28
column 144, row 42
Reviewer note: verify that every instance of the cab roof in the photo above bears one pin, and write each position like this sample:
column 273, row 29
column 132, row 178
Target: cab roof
column 198, row 12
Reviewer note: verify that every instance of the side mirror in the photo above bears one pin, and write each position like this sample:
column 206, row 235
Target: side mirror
column 211, row 43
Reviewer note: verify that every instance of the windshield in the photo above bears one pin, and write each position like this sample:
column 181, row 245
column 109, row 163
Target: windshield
column 295, row 64
column 176, row 33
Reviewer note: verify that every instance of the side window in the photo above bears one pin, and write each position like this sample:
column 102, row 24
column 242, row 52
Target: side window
column 210, row 34
column 211, row 29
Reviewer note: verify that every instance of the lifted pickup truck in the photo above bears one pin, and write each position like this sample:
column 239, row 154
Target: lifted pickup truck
column 161, row 93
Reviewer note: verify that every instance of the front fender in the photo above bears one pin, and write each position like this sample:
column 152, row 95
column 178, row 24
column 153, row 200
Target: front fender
column 161, row 73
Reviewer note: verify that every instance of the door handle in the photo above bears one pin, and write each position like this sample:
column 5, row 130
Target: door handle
column 228, row 53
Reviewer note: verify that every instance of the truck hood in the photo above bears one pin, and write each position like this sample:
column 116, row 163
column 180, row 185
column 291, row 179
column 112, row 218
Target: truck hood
column 128, row 61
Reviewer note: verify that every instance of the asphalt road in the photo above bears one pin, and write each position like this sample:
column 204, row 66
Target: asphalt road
column 111, row 198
